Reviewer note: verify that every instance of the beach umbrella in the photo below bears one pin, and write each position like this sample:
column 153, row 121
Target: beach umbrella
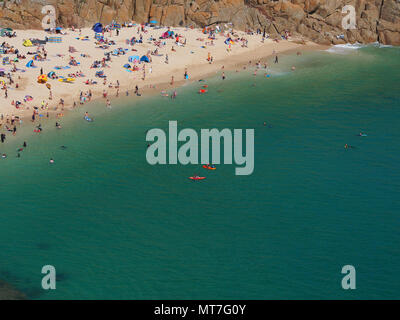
column 97, row 27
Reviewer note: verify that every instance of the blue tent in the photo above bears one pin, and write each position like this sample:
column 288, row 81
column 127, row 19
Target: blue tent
column 127, row 65
column 51, row 73
column 133, row 58
column 98, row 27
column 145, row 59
column 29, row 64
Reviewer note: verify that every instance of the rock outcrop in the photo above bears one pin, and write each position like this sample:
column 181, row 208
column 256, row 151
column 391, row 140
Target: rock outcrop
column 7, row 292
column 317, row 20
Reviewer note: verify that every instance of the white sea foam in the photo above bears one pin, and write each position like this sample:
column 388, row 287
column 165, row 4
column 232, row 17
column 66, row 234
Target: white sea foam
column 346, row 48
column 380, row 45
column 349, row 47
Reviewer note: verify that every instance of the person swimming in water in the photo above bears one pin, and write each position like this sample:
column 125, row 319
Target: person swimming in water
column 51, row 160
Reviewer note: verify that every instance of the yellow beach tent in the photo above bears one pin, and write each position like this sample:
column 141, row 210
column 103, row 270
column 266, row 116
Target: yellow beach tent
column 27, row 43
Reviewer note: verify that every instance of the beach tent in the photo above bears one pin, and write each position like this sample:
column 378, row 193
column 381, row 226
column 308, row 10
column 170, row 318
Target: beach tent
column 133, row 58
column 229, row 41
column 27, row 43
column 51, row 74
column 42, row 79
column 127, row 65
column 29, row 64
column 144, row 59
column 97, row 27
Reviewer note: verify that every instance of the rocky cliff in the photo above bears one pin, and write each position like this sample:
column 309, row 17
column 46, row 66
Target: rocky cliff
column 318, row 20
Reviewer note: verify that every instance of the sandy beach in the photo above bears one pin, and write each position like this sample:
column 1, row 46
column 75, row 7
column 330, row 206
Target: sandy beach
column 193, row 52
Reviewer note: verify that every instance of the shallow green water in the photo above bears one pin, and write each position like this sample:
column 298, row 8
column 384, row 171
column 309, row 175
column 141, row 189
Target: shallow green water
column 117, row 228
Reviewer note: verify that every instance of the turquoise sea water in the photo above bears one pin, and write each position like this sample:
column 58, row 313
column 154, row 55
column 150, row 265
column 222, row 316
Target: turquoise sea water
column 117, row 228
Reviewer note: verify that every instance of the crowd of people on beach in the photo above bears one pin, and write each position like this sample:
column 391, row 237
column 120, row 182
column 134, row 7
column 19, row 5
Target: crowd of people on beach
column 36, row 52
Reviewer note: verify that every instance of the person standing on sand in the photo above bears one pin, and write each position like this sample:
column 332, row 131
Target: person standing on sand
column 172, row 80
column 166, row 59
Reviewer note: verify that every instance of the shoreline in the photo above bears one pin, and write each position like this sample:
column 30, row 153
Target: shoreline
column 196, row 64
